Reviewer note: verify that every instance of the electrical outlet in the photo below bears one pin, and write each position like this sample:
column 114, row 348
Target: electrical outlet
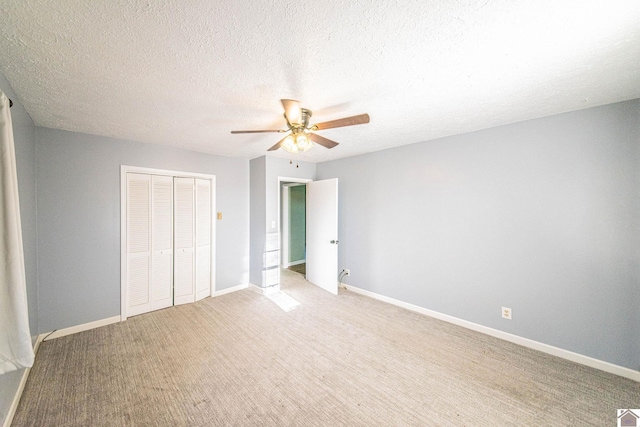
column 347, row 272
column 506, row 313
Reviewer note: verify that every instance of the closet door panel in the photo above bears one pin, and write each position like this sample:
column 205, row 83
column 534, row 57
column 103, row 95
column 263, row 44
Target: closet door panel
column 203, row 238
column 183, row 279
column 138, row 284
column 203, row 272
column 203, row 212
column 162, row 242
column 184, row 224
column 168, row 241
column 138, row 242
column 162, row 279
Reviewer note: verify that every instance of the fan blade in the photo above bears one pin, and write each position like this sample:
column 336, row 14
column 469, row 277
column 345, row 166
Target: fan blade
column 292, row 110
column 347, row 121
column 256, row 131
column 275, row 147
column 321, row 140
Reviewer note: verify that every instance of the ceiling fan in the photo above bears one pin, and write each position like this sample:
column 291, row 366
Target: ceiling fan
column 300, row 139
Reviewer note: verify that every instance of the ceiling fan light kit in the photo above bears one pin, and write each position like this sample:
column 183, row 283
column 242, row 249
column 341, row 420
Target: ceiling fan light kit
column 299, row 140
column 297, row 144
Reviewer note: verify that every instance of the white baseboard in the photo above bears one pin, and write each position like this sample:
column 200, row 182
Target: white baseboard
column 229, row 290
column 79, row 328
column 49, row 336
column 23, row 381
column 545, row 348
column 16, row 399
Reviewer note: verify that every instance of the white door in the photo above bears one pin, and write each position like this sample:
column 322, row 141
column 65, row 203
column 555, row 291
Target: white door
column 138, row 243
column 203, row 238
column 161, row 288
column 322, row 234
column 183, row 285
column 168, row 239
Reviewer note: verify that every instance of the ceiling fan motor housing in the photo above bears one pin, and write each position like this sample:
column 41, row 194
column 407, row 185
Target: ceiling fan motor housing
column 305, row 115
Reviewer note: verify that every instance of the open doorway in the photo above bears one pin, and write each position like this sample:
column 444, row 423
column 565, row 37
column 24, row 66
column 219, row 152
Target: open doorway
column 321, row 226
column 293, row 205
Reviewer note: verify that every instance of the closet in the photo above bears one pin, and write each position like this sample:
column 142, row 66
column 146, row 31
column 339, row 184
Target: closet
column 167, row 241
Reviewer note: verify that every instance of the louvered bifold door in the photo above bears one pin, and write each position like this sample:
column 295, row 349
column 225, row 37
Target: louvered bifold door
column 203, row 238
column 184, row 241
column 138, row 243
column 161, row 242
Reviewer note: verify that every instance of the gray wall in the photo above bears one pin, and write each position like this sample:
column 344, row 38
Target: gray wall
column 258, row 217
column 79, row 220
column 634, row 221
column 540, row 216
column 297, row 222
column 25, row 143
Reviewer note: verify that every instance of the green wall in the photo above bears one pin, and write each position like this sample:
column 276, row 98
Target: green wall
column 297, row 222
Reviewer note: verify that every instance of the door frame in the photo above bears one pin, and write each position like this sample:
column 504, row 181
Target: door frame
column 285, row 230
column 281, row 180
column 124, row 169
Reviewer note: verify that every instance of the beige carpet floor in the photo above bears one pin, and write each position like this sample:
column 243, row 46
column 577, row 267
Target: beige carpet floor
column 240, row 360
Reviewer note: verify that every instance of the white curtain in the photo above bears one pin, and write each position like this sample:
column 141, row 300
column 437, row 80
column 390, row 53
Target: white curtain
column 16, row 351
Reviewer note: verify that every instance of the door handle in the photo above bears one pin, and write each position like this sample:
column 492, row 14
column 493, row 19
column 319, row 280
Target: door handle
column 334, row 242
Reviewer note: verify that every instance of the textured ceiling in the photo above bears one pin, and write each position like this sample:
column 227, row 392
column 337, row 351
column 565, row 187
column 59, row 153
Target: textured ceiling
column 185, row 73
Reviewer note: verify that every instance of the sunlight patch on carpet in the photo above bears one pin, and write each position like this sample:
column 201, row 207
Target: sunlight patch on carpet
column 284, row 301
